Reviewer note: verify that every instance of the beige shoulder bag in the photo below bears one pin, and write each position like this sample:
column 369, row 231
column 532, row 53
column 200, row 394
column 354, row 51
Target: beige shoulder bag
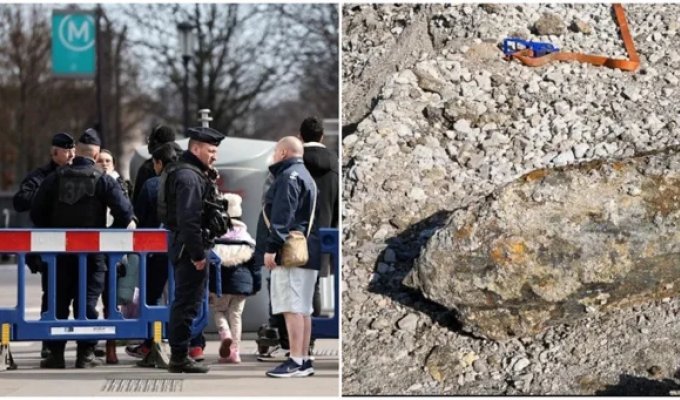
column 294, row 252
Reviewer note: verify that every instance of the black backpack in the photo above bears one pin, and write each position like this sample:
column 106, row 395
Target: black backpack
column 215, row 221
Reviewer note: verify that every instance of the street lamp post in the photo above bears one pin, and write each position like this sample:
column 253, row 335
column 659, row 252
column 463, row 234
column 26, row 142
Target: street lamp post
column 186, row 42
column 101, row 128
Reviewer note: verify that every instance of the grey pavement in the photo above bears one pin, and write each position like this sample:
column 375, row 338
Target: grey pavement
column 245, row 379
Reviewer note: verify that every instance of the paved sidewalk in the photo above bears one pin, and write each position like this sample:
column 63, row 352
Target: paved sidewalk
column 223, row 380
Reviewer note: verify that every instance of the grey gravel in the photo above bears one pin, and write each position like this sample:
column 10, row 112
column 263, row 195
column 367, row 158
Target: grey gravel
column 520, row 364
column 408, row 323
column 480, row 122
column 549, row 24
column 578, row 25
column 479, row 366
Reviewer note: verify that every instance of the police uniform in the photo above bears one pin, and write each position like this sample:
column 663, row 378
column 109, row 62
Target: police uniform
column 22, row 202
column 184, row 188
column 29, row 186
column 77, row 196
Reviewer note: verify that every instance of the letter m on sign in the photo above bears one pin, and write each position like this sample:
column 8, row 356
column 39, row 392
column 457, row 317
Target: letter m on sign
column 76, row 34
column 73, row 44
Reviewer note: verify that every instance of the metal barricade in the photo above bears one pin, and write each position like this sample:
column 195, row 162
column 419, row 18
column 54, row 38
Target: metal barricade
column 49, row 243
column 115, row 243
column 328, row 328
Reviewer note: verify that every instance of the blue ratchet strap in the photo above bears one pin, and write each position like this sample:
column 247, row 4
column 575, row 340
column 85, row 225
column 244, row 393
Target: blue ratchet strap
column 539, row 49
column 537, row 54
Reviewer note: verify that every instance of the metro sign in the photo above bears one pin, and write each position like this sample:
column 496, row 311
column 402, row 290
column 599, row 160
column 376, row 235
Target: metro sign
column 73, row 43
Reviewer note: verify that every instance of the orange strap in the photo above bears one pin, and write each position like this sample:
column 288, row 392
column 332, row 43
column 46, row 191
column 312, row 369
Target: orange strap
column 631, row 64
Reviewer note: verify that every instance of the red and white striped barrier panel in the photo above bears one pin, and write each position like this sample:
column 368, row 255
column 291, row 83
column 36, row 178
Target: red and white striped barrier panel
column 127, row 241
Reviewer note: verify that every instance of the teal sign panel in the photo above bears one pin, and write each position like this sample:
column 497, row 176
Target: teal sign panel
column 73, row 44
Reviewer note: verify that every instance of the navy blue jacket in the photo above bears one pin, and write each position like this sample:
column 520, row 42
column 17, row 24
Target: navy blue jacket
column 288, row 205
column 243, row 279
column 261, row 231
column 29, row 186
column 107, row 190
column 144, row 173
column 190, row 189
column 146, row 204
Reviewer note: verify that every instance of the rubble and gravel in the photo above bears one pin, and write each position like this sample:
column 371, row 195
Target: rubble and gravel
column 437, row 122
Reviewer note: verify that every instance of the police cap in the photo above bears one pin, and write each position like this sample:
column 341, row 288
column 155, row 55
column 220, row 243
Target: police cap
column 90, row 136
column 205, row 135
column 63, row 140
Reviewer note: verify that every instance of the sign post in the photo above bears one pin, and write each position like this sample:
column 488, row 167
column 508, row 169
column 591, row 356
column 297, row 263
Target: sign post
column 73, row 44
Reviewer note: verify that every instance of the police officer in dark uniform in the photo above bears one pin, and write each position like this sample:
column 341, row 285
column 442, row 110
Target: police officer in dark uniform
column 187, row 200
column 77, row 196
column 62, row 153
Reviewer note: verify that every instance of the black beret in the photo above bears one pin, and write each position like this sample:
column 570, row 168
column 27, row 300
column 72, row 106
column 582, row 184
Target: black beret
column 90, row 136
column 63, row 140
column 205, row 135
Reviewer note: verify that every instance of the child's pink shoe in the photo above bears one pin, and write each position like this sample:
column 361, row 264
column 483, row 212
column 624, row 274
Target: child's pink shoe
column 233, row 358
column 225, row 346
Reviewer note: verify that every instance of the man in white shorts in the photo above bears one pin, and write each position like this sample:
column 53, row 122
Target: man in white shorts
column 290, row 205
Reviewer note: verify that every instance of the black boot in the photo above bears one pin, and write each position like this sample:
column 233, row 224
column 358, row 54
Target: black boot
column 54, row 360
column 45, row 351
column 183, row 363
column 85, row 357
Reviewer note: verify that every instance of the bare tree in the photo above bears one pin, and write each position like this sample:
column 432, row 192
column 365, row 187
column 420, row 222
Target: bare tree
column 24, row 56
column 316, row 27
column 34, row 104
column 313, row 31
column 240, row 57
column 126, row 105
